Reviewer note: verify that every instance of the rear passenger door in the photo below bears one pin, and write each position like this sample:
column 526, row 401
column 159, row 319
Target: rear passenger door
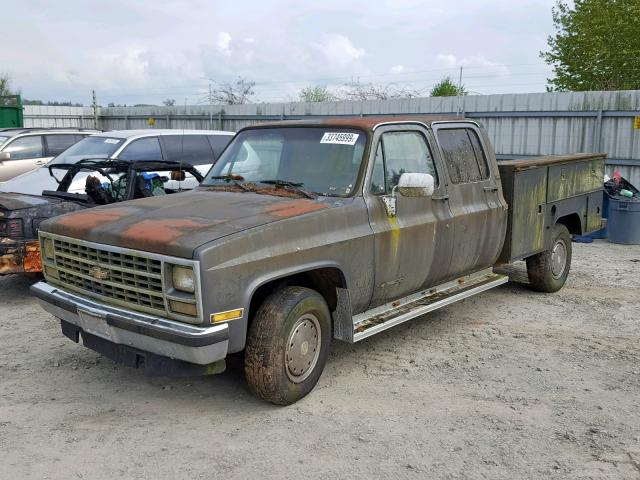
column 191, row 150
column 479, row 214
column 55, row 144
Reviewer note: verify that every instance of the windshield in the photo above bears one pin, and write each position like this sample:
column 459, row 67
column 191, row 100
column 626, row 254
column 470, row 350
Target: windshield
column 90, row 147
column 3, row 139
column 325, row 161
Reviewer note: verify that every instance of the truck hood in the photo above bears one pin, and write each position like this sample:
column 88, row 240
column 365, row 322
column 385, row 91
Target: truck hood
column 16, row 201
column 177, row 224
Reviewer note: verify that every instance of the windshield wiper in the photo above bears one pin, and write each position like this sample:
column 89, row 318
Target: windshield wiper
column 285, row 183
column 228, row 177
column 234, row 179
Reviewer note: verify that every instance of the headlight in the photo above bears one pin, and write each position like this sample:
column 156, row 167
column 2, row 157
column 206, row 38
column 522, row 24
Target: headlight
column 47, row 248
column 184, row 279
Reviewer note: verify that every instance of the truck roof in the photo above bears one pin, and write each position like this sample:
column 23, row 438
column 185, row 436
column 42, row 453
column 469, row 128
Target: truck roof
column 364, row 123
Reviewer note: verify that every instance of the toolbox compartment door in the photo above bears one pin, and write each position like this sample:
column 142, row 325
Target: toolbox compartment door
column 526, row 220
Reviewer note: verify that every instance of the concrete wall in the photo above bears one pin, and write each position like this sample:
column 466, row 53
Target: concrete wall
column 518, row 124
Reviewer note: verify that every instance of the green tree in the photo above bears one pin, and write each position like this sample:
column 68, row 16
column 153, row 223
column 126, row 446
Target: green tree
column 5, row 86
column 447, row 88
column 596, row 45
column 317, row 93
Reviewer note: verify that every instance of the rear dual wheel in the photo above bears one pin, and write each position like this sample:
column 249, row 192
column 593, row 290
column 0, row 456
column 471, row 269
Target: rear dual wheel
column 288, row 345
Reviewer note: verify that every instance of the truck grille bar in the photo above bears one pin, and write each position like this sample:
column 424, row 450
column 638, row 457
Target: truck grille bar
column 128, row 280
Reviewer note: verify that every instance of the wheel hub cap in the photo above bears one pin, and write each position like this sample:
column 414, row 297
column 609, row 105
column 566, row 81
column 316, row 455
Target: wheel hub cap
column 303, row 348
column 558, row 259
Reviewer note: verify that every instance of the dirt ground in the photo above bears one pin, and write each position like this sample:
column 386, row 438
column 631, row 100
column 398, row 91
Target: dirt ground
column 508, row 384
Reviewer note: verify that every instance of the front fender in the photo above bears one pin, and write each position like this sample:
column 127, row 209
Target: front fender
column 235, row 267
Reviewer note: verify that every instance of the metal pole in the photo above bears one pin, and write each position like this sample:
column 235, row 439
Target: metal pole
column 210, row 108
column 95, row 110
column 460, row 92
column 597, row 137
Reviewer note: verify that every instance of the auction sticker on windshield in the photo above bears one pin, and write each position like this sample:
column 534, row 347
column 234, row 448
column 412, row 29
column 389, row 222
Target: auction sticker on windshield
column 340, row 138
column 111, row 140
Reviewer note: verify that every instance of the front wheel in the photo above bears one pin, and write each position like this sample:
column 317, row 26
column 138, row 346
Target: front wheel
column 288, row 345
column 548, row 270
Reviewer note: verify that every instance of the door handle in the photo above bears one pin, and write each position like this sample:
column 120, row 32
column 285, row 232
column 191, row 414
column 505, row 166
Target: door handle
column 442, row 197
column 493, row 188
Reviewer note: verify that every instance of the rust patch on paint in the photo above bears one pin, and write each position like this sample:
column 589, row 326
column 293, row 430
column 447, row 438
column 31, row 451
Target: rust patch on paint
column 161, row 232
column 295, row 208
column 20, row 257
column 32, row 260
column 10, row 262
column 76, row 223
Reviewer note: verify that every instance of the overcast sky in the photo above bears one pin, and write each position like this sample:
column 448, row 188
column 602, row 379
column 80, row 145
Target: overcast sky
column 146, row 51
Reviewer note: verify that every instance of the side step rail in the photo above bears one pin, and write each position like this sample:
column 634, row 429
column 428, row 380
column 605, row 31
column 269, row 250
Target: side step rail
column 391, row 314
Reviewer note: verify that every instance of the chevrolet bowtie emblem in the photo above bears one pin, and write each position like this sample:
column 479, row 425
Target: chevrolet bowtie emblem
column 98, row 273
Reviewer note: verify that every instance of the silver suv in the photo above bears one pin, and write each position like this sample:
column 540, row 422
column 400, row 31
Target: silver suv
column 199, row 148
column 24, row 149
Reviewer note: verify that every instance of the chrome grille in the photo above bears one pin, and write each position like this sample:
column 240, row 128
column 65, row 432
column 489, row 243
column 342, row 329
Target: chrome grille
column 121, row 278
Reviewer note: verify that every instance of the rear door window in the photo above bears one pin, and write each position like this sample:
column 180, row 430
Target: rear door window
column 143, row 149
column 25, row 147
column 463, row 155
column 219, row 143
column 56, row 144
column 191, row 149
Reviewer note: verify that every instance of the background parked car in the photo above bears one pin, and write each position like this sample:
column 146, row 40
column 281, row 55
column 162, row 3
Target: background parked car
column 106, row 181
column 199, row 148
column 24, row 149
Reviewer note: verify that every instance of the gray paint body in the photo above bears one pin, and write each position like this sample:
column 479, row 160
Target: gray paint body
column 244, row 240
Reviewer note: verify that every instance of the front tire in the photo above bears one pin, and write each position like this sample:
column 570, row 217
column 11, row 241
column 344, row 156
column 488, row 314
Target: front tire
column 288, row 345
column 548, row 270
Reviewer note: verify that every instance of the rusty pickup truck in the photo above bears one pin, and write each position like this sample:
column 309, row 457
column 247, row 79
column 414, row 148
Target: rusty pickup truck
column 309, row 231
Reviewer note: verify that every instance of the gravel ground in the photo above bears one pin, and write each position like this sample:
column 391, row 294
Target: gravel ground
column 508, row 384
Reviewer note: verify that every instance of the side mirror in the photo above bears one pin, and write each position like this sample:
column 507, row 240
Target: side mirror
column 416, row 185
column 4, row 156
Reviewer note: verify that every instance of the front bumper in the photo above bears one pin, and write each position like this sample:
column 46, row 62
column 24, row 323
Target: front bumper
column 140, row 332
column 19, row 256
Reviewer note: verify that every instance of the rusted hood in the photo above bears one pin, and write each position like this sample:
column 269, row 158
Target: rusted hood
column 178, row 224
column 18, row 201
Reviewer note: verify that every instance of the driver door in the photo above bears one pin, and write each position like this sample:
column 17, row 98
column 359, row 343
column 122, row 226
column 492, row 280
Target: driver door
column 411, row 249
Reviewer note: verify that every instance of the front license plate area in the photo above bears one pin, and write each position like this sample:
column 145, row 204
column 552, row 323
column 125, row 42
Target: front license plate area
column 94, row 324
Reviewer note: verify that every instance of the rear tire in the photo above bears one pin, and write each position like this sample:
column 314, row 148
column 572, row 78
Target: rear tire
column 548, row 270
column 288, row 345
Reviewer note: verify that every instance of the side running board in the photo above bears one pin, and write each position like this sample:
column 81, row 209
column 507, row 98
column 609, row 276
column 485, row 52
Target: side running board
column 391, row 314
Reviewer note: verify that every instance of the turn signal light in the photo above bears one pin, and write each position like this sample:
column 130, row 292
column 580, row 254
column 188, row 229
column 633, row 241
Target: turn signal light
column 224, row 316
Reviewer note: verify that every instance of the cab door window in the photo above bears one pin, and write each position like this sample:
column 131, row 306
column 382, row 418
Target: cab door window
column 463, row 154
column 56, row 144
column 398, row 153
column 143, row 149
column 25, row 147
